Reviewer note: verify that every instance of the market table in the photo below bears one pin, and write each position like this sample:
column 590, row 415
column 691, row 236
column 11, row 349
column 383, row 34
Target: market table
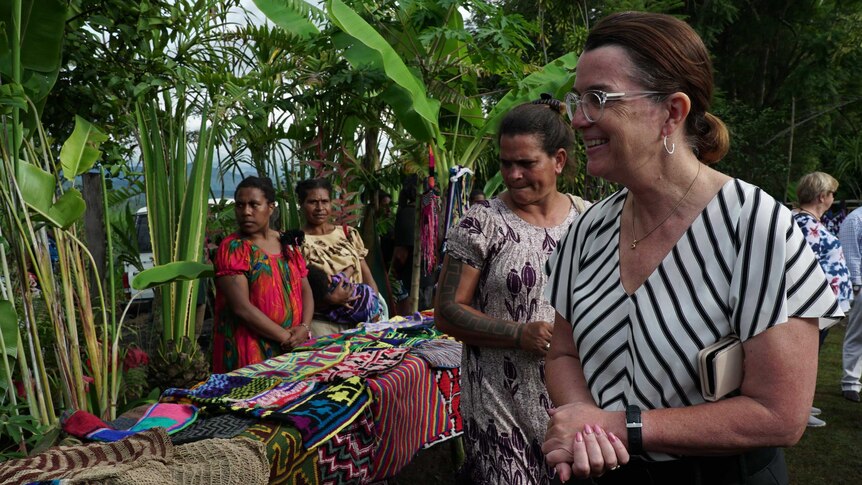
column 353, row 407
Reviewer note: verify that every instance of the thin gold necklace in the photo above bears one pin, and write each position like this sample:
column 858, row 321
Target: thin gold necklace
column 636, row 240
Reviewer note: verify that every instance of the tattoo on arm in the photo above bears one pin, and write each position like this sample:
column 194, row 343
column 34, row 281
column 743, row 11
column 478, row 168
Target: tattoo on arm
column 473, row 323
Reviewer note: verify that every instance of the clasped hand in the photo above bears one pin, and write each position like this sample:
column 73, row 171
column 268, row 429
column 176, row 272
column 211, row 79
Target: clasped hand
column 577, row 445
column 536, row 337
column 296, row 336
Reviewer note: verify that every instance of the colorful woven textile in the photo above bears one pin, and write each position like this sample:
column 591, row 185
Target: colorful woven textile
column 408, row 411
column 328, row 411
column 398, row 322
column 289, row 461
column 449, row 383
column 317, row 410
column 362, row 364
column 221, row 426
column 346, row 408
column 231, row 392
column 293, row 366
column 440, row 353
column 172, row 417
column 348, row 456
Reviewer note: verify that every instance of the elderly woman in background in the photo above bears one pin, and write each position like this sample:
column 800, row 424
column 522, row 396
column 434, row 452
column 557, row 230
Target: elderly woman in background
column 331, row 248
column 815, row 194
column 680, row 258
column 264, row 304
column 489, row 296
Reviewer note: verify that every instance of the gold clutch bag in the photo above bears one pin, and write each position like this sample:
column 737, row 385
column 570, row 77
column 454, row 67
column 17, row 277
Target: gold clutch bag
column 720, row 368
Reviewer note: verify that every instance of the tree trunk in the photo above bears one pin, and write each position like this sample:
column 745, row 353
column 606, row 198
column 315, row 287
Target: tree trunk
column 417, row 258
column 94, row 217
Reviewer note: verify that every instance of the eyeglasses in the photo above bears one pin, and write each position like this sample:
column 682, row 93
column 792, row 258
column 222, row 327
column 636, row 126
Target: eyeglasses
column 592, row 103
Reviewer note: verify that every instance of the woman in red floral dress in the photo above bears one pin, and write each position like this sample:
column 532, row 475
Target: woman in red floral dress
column 263, row 303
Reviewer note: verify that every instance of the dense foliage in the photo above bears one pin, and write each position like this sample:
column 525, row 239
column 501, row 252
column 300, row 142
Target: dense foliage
column 360, row 91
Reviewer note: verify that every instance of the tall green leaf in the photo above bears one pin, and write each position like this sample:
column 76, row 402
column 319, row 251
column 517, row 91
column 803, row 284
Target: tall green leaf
column 9, row 329
column 557, row 78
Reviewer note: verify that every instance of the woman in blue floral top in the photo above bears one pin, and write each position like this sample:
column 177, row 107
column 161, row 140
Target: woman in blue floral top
column 815, row 194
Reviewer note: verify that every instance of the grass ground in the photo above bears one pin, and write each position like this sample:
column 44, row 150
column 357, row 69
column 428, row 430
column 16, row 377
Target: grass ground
column 831, row 455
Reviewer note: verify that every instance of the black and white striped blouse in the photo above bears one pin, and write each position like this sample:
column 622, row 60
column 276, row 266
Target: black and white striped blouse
column 742, row 267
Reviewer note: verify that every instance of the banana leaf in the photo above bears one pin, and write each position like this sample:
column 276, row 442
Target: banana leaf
column 172, row 272
column 37, row 187
column 81, row 150
column 43, row 25
column 407, row 96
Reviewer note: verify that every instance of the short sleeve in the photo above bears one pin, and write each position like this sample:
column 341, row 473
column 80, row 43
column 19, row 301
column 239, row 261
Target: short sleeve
column 233, row 257
column 776, row 275
column 356, row 240
column 294, row 256
column 470, row 240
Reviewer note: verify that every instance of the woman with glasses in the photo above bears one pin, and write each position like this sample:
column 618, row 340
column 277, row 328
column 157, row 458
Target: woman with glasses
column 489, row 296
column 680, row 258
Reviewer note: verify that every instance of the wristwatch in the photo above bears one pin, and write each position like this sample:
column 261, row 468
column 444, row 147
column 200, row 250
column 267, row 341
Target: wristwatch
column 633, row 428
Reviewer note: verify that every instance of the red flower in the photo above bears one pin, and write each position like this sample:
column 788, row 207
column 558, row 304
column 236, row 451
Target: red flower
column 20, row 390
column 87, row 381
column 135, row 357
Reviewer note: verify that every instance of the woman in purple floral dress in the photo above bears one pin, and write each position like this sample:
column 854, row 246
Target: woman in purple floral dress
column 490, row 297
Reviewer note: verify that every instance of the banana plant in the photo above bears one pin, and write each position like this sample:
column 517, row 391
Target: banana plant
column 33, row 202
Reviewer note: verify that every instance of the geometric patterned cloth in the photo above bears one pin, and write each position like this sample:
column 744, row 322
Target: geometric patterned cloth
column 219, row 426
column 449, row 384
column 364, row 363
column 289, row 461
column 344, row 408
column 441, row 353
column 172, row 417
column 317, row 410
column 293, row 366
column 348, row 456
column 345, row 458
column 408, row 412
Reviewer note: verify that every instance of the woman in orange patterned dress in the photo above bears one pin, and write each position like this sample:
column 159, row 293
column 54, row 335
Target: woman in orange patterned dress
column 263, row 304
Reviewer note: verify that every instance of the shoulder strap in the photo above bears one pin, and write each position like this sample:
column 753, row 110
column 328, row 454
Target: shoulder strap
column 578, row 203
column 346, row 234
